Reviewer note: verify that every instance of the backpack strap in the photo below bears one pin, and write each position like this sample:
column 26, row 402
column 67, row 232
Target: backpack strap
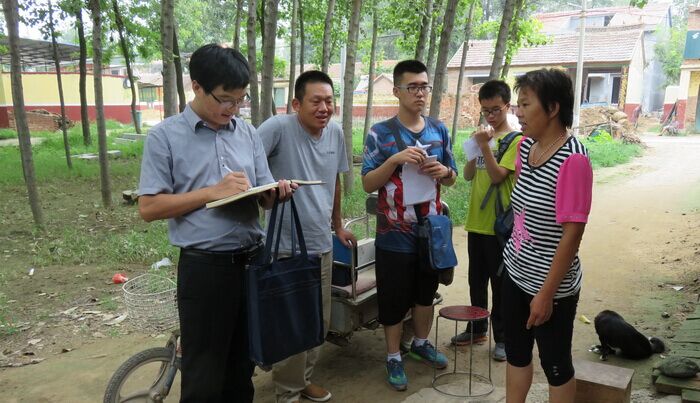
column 503, row 145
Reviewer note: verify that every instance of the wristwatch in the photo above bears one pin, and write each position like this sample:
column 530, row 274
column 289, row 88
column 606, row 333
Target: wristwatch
column 449, row 174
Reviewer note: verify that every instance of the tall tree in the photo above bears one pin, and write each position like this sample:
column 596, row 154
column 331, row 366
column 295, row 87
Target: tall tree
column 372, row 72
column 10, row 9
column 177, row 62
column 167, row 29
column 443, row 53
column 302, row 39
column 82, row 84
column 326, row 53
column 348, row 79
column 96, row 12
column 435, row 26
column 268, row 77
column 501, row 39
column 127, row 60
column 59, row 80
column 252, row 63
column 237, row 25
column 460, row 80
column 292, row 54
column 424, row 30
column 513, row 32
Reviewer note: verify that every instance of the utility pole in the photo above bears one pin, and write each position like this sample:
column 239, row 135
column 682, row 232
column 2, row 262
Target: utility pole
column 579, row 69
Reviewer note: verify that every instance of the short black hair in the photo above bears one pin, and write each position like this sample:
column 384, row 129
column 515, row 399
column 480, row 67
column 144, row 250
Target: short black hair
column 310, row 77
column 213, row 65
column 408, row 66
column 552, row 86
column 495, row 88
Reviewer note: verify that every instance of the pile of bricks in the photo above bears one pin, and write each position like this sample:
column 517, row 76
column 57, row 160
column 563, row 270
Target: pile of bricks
column 41, row 120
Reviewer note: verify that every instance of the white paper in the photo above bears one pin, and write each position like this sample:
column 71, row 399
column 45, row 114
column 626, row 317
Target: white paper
column 472, row 150
column 417, row 187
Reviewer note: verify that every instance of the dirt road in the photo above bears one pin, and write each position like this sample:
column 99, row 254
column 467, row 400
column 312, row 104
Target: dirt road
column 641, row 240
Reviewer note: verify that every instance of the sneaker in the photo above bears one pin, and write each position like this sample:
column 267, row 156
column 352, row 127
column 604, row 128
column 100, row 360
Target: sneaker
column 429, row 355
column 316, row 393
column 465, row 338
column 499, row 352
column 395, row 374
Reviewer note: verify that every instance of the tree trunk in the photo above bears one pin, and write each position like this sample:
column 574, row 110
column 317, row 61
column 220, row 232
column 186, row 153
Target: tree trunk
column 434, row 30
column 372, row 69
column 348, row 79
column 237, row 25
column 11, row 12
column 292, row 55
column 177, row 60
column 99, row 102
column 443, row 53
column 302, row 46
column 167, row 21
column 512, row 34
column 460, row 81
column 500, row 48
column 57, row 63
column 487, row 10
column 268, row 77
column 424, row 30
column 326, row 53
column 252, row 63
column 84, row 118
column 127, row 60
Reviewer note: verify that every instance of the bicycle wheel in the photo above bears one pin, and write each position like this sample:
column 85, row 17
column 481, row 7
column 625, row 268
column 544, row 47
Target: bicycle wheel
column 145, row 377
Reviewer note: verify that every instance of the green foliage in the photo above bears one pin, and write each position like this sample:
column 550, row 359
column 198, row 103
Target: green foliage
column 279, row 70
column 611, row 153
column 669, row 51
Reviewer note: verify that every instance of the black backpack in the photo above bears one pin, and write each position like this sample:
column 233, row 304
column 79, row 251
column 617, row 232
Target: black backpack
column 503, row 225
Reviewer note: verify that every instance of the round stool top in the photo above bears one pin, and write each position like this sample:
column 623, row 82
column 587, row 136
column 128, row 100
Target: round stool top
column 464, row 313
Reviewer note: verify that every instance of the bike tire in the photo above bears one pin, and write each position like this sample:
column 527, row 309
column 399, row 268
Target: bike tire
column 156, row 354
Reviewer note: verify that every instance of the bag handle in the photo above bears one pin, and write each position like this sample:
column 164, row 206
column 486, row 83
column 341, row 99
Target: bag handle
column 296, row 232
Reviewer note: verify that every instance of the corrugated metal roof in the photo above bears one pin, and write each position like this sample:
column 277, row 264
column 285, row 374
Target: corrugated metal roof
column 608, row 46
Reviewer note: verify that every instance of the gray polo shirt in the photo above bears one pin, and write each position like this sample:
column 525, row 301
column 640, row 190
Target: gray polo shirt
column 294, row 154
column 183, row 154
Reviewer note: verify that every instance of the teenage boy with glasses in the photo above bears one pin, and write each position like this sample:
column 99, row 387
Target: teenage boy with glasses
column 203, row 154
column 485, row 251
column 404, row 282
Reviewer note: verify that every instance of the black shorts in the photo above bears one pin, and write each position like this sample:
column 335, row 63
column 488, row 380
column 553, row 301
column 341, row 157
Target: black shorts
column 402, row 283
column 553, row 337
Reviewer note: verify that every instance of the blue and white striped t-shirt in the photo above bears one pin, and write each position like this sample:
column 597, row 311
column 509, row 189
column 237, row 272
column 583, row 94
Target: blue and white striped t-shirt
column 555, row 192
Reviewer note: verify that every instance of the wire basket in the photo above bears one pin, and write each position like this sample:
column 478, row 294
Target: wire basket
column 151, row 303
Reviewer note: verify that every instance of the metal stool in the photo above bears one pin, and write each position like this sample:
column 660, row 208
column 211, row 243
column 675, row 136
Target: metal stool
column 471, row 314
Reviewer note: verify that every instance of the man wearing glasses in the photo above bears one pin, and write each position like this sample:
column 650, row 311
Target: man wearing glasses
column 484, row 249
column 203, row 154
column 404, row 283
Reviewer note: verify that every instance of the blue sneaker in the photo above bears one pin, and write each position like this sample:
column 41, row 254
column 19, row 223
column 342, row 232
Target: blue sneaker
column 429, row 355
column 395, row 374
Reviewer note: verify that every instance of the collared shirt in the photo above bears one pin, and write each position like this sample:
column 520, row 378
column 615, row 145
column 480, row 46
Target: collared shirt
column 183, row 154
column 293, row 153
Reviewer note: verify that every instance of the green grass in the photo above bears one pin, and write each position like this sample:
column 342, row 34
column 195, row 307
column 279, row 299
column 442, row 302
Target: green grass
column 6, row 326
column 611, row 153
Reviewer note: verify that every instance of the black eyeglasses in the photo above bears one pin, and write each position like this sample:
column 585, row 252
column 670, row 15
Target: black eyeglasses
column 425, row 89
column 228, row 104
column 496, row 111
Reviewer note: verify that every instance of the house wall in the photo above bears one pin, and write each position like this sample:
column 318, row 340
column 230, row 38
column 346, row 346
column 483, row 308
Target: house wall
column 654, row 77
column 692, row 102
column 635, row 79
column 41, row 92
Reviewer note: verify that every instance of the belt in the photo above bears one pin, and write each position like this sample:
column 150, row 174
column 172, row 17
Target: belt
column 240, row 255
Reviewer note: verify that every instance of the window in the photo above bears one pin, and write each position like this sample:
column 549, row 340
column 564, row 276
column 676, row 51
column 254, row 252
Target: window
column 280, row 99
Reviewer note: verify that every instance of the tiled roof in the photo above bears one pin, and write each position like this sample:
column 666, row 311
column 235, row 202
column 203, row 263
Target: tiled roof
column 651, row 15
column 605, row 46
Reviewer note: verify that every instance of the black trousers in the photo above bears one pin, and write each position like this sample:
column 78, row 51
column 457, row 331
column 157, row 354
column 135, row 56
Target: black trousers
column 485, row 257
column 214, row 330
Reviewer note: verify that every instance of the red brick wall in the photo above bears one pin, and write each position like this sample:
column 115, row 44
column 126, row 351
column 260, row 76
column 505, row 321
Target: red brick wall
column 121, row 113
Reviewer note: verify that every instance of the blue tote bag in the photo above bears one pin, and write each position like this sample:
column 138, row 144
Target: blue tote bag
column 285, row 313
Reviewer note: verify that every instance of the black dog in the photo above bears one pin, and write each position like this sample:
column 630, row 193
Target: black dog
column 616, row 334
